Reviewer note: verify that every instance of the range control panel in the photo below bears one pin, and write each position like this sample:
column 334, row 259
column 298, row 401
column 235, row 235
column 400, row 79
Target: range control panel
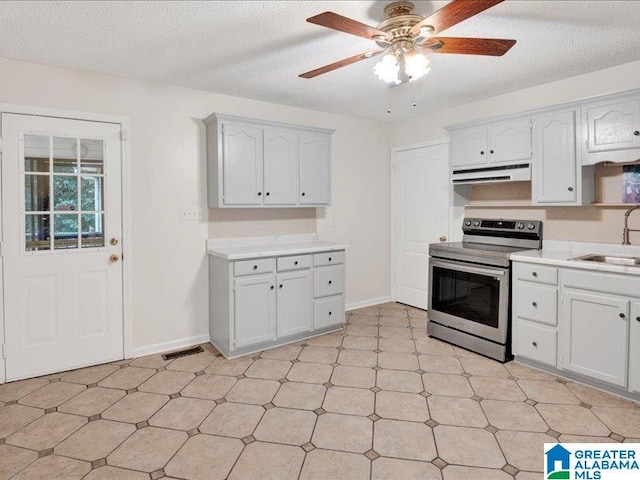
column 470, row 225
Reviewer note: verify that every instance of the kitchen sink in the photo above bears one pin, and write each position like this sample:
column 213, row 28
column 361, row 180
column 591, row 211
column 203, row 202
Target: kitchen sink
column 611, row 259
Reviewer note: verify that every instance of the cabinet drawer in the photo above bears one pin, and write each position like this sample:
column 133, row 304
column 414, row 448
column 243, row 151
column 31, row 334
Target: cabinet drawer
column 250, row 267
column 298, row 262
column 536, row 342
column 328, row 281
column 328, row 258
column 537, row 302
column 537, row 273
column 328, row 311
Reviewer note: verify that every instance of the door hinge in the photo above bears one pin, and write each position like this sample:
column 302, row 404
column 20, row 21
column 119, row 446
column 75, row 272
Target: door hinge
column 222, row 128
column 1, row 249
column 1, row 145
column 4, row 350
column 123, row 135
column 531, row 123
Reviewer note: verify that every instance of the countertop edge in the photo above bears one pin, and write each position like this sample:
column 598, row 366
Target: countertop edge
column 277, row 251
column 577, row 264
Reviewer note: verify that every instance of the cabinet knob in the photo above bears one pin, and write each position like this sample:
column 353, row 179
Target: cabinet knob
column 329, row 313
column 259, row 193
column 330, row 282
column 296, row 262
column 255, row 267
column 482, row 152
column 622, row 315
column 638, row 319
column 636, row 133
column 535, row 304
column 535, row 274
column 329, row 258
column 280, row 286
column 302, row 194
column 490, row 151
column 272, row 287
column 570, row 189
column 535, row 344
column 267, row 194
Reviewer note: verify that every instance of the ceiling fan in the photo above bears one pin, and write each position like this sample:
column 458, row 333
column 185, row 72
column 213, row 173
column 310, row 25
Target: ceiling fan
column 406, row 37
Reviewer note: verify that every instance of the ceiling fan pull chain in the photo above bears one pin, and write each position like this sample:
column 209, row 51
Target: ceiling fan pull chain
column 388, row 99
column 413, row 93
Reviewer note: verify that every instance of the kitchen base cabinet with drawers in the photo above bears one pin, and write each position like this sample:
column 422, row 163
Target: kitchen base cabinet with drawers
column 260, row 303
column 580, row 324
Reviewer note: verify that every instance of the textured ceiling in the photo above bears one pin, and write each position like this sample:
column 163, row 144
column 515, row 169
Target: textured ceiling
column 257, row 49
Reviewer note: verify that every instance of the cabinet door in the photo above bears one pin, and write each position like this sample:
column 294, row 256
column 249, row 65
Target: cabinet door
column 614, row 126
column 510, row 141
column 315, row 168
column 634, row 348
column 554, row 166
column 595, row 334
column 469, row 147
column 242, row 164
column 294, row 303
column 254, row 310
column 280, row 166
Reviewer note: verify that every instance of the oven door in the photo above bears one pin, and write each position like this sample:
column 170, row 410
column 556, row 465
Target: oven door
column 471, row 298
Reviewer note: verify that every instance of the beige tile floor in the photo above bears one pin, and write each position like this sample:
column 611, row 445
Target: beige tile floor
column 380, row 400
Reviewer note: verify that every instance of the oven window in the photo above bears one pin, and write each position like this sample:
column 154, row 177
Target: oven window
column 470, row 296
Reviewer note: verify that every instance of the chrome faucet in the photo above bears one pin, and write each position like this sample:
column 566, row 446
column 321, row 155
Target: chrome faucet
column 625, row 232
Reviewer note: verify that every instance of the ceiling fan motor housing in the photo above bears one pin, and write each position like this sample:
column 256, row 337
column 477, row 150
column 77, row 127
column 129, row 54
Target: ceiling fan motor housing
column 399, row 18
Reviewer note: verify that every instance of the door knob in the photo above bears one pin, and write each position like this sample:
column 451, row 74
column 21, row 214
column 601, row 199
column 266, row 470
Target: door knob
column 443, row 238
column 114, row 258
column 113, row 241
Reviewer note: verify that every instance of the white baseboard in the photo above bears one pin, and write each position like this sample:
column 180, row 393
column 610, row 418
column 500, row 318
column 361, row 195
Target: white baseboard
column 367, row 303
column 168, row 346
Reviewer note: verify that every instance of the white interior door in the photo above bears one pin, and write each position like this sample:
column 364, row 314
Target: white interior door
column 419, row 216
column 61, row 247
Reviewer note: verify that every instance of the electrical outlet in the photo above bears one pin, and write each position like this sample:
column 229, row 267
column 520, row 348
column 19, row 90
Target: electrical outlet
column 190, row 214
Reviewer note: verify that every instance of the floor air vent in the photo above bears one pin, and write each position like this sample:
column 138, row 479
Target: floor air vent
column 182, row 353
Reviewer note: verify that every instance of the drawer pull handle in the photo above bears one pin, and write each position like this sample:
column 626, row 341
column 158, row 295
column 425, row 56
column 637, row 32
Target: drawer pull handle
column 535, row 344
column 329, row 258
column 622, row 315
column 329, row 313
column 535, row 304
column 255, row 267
column 330, row 282
column 535, row 274
column 295, row 263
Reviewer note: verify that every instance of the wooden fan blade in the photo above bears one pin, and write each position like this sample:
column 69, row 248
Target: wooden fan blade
column 494, row 47
column 452, row 13
column 339, row 64
column 347, row 25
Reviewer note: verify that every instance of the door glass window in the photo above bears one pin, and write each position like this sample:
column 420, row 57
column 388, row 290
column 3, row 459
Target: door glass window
column 63, row 180
column 471, row 296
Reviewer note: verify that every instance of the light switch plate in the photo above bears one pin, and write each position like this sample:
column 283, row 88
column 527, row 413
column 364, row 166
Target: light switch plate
column 190, row 214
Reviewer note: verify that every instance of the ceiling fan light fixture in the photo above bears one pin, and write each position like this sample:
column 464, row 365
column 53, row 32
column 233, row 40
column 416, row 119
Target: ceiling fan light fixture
column 416, row 66
column 387, row 69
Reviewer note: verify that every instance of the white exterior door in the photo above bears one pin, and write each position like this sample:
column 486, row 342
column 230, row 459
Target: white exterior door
column 242, row 164
column 280, row 166
column 419, row 216
column 254, row 310
column 61, row 251
column 294, row 303
column 315, row 168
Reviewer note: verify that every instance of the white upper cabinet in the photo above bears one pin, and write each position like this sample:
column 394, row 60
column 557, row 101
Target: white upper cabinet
column 555, row 161
column 612, row 130
column 510, row 141
column 242, row 164
column 501, row 143
column 315, row 168
column 252, row 163
column 469, row 147
column 280, row 166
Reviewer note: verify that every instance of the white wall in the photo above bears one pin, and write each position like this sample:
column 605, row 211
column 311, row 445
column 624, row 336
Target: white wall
column 594, row 224
column 168, row 172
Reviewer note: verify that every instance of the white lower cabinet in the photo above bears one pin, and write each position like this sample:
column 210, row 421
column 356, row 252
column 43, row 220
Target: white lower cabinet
column 634, row 348
column 537, row 342
column 255, row 310
column 294, row 303
column 260, row 303
column 595, row 335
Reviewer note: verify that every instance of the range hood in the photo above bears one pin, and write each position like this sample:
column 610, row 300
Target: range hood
column 501, row 174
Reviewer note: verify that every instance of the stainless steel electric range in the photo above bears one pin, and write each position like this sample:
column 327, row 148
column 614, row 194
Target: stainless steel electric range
column 470, row 284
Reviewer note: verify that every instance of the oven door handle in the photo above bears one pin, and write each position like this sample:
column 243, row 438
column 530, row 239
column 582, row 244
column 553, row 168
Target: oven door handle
column 497, row 273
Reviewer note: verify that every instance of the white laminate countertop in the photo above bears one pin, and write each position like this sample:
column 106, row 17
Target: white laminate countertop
column 560, row 253
column 272, row 246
